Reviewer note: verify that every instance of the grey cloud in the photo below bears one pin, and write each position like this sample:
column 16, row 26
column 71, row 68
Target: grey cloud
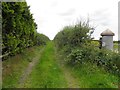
column 101, row 11
column 54, row 4
column 67, row 19
column 67, row 13
column 102, row 17
column 105, row 23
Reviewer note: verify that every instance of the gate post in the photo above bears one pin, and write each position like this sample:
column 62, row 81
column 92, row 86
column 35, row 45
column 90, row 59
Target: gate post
column 107, row 39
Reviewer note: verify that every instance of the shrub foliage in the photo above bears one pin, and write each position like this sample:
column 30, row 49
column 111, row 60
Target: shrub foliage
column 41, row 39
column 74, row 36
column 78, row 46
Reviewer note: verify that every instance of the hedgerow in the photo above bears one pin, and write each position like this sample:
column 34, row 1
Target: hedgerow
column 18, row 28
column 41, row 39
column 77, row 44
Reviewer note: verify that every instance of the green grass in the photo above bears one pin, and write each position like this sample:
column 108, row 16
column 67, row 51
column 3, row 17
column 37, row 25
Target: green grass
column 115, row 46
column 14, row 66
column 47, row 73
column 91, row 76
column 95, row 42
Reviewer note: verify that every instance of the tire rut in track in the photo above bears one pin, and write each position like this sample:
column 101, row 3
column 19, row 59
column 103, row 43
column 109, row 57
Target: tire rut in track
column 71, row 80
column 29, row 69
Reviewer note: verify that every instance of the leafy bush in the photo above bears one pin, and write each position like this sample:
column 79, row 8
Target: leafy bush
column 41, row 39
column 102, row 58
column 76, row 57
column 73, row 36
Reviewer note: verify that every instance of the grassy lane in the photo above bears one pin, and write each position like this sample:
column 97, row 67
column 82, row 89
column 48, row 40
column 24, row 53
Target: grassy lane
column 47, row 73
column 39, row 67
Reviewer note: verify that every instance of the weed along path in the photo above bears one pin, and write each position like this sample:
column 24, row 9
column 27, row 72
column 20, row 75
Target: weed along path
column 48, row 73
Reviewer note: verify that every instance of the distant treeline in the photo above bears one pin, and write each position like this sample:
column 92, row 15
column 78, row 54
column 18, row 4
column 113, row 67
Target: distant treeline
column 18, row 28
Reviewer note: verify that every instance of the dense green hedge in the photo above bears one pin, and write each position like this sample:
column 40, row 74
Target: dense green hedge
column 18, row 28
column 42, row 39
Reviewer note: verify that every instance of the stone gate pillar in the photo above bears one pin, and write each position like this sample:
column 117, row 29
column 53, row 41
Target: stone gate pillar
column 107, row 39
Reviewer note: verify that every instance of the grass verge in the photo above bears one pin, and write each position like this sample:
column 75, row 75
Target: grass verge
column 14, row 66
column 90, row 75
column 47, row 73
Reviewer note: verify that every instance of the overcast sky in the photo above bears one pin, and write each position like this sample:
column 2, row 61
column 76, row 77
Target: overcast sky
column 52, row 15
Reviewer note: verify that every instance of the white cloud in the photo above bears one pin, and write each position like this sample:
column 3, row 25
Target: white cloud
column 52, row 15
